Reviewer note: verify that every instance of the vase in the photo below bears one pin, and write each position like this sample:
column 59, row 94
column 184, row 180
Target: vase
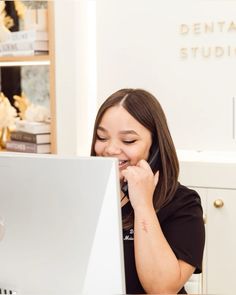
column 4, row 137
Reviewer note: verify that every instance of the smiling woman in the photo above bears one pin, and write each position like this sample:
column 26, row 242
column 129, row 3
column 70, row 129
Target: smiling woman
column 163, row 225
column 129, row 141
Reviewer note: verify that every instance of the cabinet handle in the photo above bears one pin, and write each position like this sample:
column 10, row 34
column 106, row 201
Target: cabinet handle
column 218, row 203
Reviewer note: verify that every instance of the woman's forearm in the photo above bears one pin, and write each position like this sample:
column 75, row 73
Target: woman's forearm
column 157, row 266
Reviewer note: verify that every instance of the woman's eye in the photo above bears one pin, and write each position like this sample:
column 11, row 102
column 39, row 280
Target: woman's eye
column 129, row 141
column 101, row 138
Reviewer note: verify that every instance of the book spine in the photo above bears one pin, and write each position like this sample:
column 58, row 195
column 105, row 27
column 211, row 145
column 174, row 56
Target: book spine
column 23, row 137
column 16, row 48
column 41, row 46
column 21, row 147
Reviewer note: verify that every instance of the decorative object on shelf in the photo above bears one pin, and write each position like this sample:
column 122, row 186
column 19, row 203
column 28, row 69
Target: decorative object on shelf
column 37, row 113
column 20, row 8
column 10, row 76
column 4, row 137
column 29, row 111
column 14, row 10
column 22, row 103
column 8, row 117
column 8, row 113
column 4, row 32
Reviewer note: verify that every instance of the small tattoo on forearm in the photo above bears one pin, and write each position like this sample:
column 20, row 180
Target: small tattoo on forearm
column 144, row 226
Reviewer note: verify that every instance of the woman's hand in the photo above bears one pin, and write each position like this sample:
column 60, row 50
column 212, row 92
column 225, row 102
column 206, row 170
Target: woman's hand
column 141, row 184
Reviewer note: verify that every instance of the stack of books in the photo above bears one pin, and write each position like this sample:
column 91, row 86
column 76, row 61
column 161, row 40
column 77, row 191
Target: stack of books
column 30, row 137
column 28, row 42
column 41, row 42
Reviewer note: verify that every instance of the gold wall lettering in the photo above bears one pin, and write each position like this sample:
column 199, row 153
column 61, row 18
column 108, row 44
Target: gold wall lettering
column 207, row 27
column 207, row 52
column 194, row 31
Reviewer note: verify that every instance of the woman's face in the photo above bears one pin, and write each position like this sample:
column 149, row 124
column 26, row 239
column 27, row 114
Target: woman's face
column 121, row 136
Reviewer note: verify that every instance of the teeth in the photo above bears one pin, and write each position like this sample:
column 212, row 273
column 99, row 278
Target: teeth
column 121, row 162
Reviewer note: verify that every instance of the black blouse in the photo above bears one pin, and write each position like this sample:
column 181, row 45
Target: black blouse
column 182, row 224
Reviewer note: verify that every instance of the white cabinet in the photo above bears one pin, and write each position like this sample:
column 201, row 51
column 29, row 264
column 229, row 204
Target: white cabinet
column 214, row 177
column 221, row 241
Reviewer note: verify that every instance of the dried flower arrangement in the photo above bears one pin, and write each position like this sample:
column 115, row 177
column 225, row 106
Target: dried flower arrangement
column 8, row 113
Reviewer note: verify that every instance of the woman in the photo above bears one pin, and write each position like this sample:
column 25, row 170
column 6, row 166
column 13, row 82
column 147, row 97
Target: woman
column 162, row 220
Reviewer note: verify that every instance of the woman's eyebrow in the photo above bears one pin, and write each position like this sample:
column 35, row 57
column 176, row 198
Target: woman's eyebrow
column 101, row 128
column 128, row 132
column 123, row 132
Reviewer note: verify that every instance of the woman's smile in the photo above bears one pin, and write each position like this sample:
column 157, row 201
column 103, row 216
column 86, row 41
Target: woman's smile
column 123, row 164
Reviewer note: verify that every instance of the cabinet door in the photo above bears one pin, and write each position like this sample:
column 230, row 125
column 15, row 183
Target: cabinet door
column 221, row 241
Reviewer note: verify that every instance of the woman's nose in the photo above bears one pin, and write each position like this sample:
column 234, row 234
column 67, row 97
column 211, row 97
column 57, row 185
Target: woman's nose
column 112, row 149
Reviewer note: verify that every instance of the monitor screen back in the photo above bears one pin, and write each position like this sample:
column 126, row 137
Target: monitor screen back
column 60, row 226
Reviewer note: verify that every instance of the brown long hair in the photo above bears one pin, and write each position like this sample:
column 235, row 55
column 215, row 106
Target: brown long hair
column 146, row 109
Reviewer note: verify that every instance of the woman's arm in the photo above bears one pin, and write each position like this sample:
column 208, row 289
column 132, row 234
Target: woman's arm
column 158, row 269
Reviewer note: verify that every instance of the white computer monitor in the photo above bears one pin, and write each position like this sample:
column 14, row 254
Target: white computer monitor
column 62, row 223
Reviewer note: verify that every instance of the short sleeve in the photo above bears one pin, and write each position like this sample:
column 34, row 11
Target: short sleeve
column 183, row 226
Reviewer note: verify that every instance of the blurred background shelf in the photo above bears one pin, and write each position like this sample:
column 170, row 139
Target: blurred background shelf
column 33, row 75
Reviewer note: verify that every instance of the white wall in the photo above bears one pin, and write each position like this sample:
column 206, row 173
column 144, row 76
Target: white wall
column 139, row 45
column 75, row 69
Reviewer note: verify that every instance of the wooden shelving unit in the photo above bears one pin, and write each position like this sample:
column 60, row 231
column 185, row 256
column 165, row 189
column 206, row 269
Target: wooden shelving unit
column 46, row 59
column 25, row 58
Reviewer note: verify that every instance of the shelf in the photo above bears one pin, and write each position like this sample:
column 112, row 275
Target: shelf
column 7, row 61
column 25, row 58
column 47, row 60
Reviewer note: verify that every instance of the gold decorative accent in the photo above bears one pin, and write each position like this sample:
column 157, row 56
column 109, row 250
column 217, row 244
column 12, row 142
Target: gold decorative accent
column 4, row 137
column 8, row 22
column 4, row 32
column 7, row 112
column 20, row 8
column 22, row 103
column 218, row 203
